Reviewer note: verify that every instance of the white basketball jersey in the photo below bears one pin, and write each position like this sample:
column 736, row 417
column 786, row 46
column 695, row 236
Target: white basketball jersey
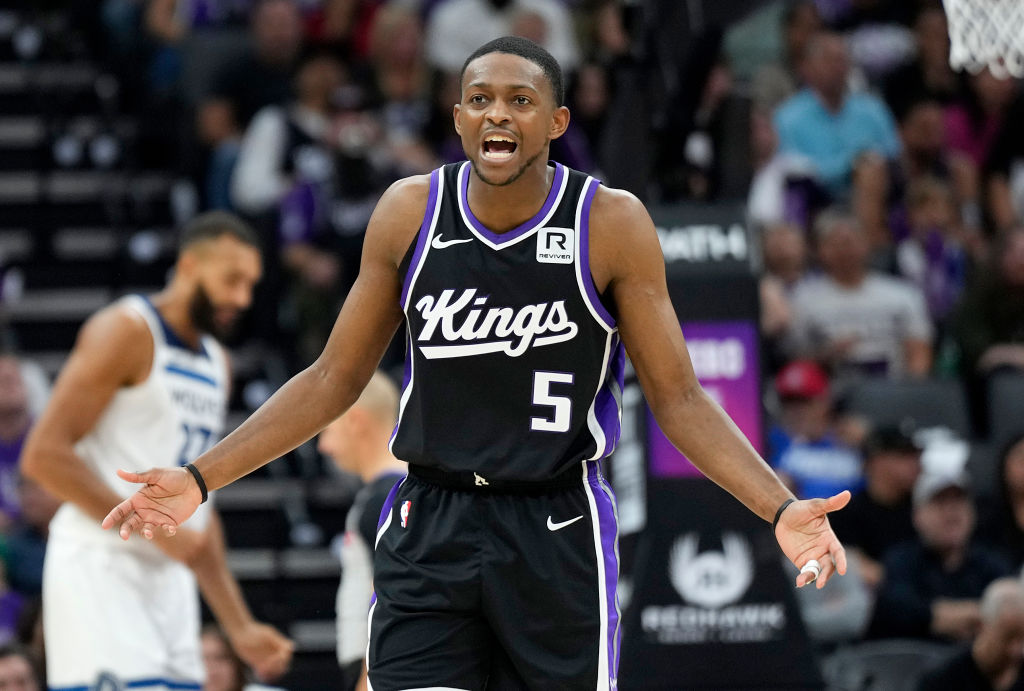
column 168, row 419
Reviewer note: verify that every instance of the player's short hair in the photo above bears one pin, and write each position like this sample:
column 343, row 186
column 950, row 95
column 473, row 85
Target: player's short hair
column 524, row 48
column 214, row 224
column 380, row 398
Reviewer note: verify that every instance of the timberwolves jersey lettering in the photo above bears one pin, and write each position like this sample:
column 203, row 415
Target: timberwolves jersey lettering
column 168, row 419
column 513, row 366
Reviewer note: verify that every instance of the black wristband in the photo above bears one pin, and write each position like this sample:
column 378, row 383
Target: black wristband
column 778, row 514
column 202, row 483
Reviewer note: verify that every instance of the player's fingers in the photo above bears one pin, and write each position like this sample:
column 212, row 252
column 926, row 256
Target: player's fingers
column 828, row 567
column 838, row 501
column 130, row 476
column 117, row 515
column 838, row 556
column 147, row 530
column 803, row 578
column 129, row 525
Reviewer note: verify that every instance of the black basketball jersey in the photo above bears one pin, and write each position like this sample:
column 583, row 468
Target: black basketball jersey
column 513, row 366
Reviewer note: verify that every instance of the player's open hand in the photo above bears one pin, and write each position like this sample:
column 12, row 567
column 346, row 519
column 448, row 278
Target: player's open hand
column 806, row 538
column 263, row 648
column 169, row 497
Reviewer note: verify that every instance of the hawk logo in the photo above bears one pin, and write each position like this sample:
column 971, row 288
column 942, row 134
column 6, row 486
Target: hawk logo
column 471, row 327
column 555, row 245
column 711, row 579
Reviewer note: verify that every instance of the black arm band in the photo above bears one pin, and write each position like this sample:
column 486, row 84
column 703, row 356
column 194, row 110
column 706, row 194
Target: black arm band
column 778, row 514
column 206, row 495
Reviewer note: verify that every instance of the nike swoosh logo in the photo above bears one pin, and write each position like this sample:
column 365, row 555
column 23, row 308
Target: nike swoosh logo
column 558, row 526
column 438, row 244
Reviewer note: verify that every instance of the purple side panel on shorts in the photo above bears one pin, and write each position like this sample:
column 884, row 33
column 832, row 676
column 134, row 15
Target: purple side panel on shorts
column 606, row 406
column 421, row 238
column 388, row 503
column 588, row 280
column 609, row 528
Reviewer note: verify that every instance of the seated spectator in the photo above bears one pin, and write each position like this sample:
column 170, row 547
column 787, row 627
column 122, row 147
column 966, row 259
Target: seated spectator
column 262, row 77
column 880, row 515
column 933, row 256
column 805, row 448
column 847, row 136
column 993, row 661
column 989, row 322
column 928, row 76
column 15, row 421
column 17, row 670
column 1001, row 519
column 26, row 543
column 785, row 264
column 12, row 607
column 933, row 583
column 1004, row 171
column 859, row 320
column 775, row 82
column 926, row 156
column 974, row 121
column 456, row 28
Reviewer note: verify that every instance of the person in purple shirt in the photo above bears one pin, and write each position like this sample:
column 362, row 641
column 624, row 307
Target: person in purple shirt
column 15, row 421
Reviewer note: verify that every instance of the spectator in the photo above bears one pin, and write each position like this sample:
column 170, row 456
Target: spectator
column 847, row 136
column 785, row 265
column 775, row 82
column 928, row 76
column 880, row 516
column 805, row 448
column 861, row 321
column 26, row 545
column 589, row 99
column 989, row 323
column 974, row 122
column 400, row 91
column 993, row 661
column 260, row 78
column 12, row 607
column 17, row 671
column 933, row 256
column 925, row 155
column 357, row 442
column 456, row 27
column 287, row 143
column 1004, row 171
column 1002, row 519
column 15, row 421
column 933, row 583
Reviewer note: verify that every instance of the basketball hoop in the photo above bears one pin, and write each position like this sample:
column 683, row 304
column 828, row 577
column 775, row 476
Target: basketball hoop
column 986, row 33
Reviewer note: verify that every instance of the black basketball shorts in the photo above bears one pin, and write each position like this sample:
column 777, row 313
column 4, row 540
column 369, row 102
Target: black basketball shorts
column 481, row 585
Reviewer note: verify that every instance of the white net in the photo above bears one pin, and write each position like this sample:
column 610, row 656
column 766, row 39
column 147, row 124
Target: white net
column 987, row 33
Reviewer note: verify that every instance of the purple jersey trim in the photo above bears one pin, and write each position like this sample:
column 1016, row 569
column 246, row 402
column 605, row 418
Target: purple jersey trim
column 519, row 231
column 588, row 281
column 429, row 218
column 385, row 510
column 607, row 526
column 607, row 406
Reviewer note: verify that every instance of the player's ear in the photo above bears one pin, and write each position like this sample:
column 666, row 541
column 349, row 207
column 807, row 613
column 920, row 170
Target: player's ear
column 187, row 263
column 559, row 122
column 456, row 116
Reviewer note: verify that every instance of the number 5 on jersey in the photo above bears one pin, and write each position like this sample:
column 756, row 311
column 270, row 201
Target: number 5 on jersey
column 561, row 413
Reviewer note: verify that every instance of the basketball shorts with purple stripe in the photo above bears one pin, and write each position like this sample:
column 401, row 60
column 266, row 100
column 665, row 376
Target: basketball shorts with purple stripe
column 482, row 585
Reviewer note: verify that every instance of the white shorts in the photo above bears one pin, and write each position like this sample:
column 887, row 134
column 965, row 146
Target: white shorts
column 112, row 615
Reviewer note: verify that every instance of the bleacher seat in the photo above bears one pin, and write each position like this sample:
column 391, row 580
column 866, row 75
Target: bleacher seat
column 929, row 402
column 886, row 665
column 1005, row 409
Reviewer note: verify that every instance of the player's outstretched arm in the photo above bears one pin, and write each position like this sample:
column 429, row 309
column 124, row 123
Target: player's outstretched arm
column 627, row 264
column 318, row 394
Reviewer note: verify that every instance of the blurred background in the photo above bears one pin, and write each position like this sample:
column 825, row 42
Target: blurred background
column 840, row 213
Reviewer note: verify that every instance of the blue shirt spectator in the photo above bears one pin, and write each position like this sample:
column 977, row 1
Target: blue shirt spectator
column 827, row 124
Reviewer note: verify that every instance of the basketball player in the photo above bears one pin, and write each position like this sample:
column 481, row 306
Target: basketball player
column 146, row 379
column 357, row 442
column 519, row 281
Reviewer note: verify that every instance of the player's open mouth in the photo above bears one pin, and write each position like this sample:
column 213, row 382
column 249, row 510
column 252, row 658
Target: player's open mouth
column 498, row 148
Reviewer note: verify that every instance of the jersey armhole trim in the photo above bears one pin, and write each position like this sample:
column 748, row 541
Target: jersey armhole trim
column 583, row 275
column 141, row 306
column 430, row 215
